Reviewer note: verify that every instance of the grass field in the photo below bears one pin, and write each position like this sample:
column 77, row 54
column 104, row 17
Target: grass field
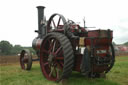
column 13, row 75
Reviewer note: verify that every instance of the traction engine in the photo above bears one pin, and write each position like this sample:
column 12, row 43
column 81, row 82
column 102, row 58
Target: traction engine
column 64, row 46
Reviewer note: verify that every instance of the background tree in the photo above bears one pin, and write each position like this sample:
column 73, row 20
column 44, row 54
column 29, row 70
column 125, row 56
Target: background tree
column 126, row 43
column 114, row 43
column 16, row 49
column 5, row 48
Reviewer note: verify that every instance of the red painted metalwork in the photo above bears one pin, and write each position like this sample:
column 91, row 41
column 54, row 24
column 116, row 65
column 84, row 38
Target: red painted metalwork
column 98, row 38
column 51, row 47
column 77, row 62
column 38, row 44
column 64, row 53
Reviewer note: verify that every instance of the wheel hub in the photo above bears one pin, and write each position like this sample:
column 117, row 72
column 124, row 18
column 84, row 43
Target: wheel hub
column 51, row 58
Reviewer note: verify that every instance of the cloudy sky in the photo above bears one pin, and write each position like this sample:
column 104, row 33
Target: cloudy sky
column 18, row 18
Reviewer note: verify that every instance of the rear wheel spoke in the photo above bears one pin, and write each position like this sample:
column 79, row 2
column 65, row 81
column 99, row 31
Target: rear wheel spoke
column 57, row 74
column 45, row 64
column 59, row 58
column 50, row 74
column 51, row 46
column 52, row 71
column 54, row 45
column 58, row 50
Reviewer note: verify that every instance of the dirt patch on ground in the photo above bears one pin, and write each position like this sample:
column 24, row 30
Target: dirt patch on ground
column 9, row 59
column 5, row 60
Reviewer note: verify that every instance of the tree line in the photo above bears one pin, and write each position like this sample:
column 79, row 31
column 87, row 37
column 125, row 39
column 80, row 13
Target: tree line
column 6, row 48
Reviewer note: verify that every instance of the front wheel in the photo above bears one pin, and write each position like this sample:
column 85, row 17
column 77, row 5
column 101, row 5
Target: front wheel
column 25, row 60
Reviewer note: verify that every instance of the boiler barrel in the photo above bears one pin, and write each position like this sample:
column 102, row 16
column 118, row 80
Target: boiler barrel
column 36, row 44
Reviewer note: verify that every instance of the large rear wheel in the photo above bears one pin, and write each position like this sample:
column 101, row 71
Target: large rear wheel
column 56, row 57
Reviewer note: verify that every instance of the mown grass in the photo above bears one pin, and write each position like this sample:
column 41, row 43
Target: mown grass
column 13, row 75
column 119, row 73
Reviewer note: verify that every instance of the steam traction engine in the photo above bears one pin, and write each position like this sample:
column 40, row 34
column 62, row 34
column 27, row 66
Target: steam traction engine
column 64, row 46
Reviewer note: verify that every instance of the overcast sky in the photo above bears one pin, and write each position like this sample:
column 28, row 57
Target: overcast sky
column 18, row 18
